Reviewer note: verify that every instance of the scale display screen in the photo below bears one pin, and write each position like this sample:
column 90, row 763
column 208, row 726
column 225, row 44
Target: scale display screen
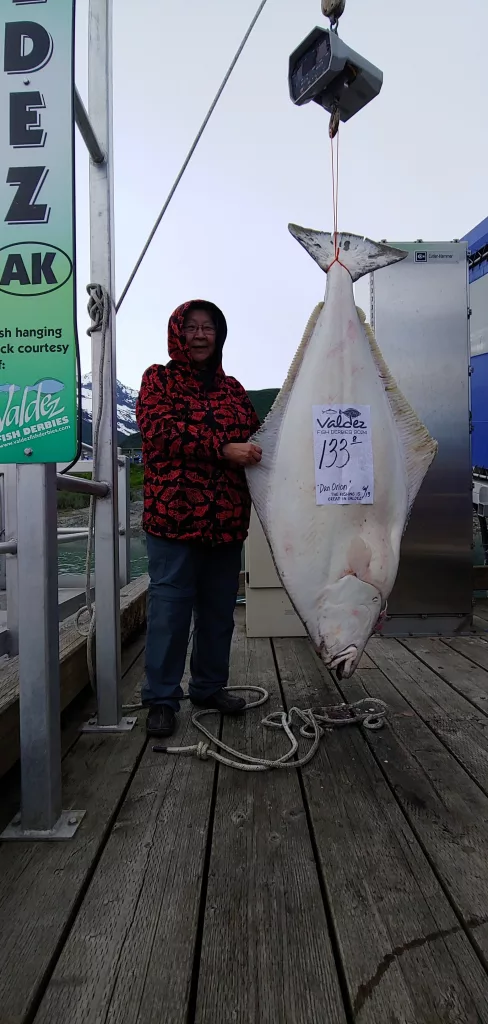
column 310, row 67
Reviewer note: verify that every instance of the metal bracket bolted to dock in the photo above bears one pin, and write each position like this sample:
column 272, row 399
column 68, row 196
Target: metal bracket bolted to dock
column 125, row 725
column 65, row 828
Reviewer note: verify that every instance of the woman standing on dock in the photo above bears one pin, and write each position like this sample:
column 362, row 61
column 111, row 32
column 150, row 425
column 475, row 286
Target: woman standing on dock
column 195, row 424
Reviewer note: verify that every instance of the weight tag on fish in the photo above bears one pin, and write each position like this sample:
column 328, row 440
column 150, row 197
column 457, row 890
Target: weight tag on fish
column 343, row 452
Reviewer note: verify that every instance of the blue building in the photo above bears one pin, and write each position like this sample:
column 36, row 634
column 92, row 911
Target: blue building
column 477, row 240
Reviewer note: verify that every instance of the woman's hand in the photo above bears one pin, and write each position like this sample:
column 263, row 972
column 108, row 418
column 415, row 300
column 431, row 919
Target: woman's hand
column 247, row 454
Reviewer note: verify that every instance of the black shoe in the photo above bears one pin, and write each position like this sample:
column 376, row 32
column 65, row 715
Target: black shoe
column 222, row 701
column 160, row 720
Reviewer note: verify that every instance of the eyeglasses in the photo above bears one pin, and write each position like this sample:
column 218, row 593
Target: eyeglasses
column 191, row 329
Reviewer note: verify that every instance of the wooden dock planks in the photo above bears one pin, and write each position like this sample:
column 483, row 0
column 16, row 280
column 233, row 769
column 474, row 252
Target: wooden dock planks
column 403, row 951
column 353, row 892
column 441, row 798
column 41, row 884
column 266, row 950
column 132, row 946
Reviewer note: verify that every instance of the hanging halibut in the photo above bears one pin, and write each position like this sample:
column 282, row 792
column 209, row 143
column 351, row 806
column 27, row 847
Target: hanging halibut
column 344, row 456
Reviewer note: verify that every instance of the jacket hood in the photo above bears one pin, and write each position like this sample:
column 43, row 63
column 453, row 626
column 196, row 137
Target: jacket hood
column 177, row 349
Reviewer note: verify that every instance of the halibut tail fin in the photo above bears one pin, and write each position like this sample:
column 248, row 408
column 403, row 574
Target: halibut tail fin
column 360, row 256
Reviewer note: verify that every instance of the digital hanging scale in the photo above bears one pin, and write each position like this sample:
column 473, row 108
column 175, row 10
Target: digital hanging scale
column 324, row 69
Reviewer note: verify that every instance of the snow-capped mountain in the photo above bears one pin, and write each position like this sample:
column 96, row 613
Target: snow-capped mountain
column 126, row 408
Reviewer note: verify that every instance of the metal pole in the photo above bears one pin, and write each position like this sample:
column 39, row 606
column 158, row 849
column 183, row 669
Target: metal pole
column 39, row 700
column 41, row 816
column 107, row 584
column 62, row 530
column 11, row 565
column 68, row 538
column 86, row 130
column 78, row 485
column 124, row 526
column 8, row 547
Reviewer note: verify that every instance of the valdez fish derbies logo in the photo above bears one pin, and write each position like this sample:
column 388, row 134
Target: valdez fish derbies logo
column 340, row 418
column 34, row 409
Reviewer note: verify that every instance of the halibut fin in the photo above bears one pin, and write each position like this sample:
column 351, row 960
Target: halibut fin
column 358, row 255
column 268, row 434
column 418, row 446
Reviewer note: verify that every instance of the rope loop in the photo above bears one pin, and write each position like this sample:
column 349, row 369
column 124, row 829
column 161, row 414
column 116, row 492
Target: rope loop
column 98, row 308
column 373, row 722
column 369, row 712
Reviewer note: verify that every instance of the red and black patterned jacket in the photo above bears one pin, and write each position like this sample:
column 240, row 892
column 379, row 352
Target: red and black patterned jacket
column 185, row 418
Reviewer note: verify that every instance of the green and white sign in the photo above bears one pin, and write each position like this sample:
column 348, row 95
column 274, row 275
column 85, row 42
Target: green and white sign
column 38, row 392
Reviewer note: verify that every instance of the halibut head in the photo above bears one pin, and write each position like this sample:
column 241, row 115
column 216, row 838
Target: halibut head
column 335, row 527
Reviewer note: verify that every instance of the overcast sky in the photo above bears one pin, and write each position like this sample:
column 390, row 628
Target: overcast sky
column 413, row 162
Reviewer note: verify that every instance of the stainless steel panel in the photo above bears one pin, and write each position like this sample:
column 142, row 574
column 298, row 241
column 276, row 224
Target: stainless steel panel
column 429, row 625
column 421, row 324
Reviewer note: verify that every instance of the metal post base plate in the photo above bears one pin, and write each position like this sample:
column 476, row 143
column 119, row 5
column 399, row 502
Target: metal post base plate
column 65, row 828
column 125, row 725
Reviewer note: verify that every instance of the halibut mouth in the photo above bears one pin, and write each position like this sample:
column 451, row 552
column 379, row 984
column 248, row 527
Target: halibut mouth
column 343, row 663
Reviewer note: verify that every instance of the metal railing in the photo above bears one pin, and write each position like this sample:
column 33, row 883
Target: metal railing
column 65, row 535
column 29, row 545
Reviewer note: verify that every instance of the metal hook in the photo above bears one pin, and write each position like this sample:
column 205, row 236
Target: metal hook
column 334, row 122
column 333, row 10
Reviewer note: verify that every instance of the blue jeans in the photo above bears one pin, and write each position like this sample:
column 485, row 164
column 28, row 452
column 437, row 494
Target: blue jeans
column 185, row 578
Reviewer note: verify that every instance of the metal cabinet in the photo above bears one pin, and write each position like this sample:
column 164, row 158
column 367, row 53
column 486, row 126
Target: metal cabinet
column 419, row 310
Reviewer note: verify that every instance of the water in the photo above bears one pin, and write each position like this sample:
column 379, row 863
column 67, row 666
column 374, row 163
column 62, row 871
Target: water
column 72, row 557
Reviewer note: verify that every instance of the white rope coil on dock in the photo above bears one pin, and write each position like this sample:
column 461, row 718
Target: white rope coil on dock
column 368, row 712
